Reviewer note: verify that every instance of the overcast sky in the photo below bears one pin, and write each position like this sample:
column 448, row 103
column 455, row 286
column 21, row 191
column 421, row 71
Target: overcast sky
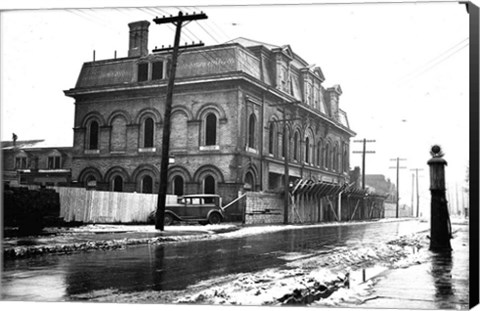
column 403, row 69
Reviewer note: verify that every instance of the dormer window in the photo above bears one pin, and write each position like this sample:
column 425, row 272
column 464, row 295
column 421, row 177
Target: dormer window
column 54, row 162
column 21, row 162
column 284, row 80
column 157, row 70
column 142, row 72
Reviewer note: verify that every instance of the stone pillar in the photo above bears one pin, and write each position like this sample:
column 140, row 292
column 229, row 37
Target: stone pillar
column 440, row 227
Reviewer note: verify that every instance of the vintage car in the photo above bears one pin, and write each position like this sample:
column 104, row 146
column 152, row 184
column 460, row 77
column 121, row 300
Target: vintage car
column 202, row 208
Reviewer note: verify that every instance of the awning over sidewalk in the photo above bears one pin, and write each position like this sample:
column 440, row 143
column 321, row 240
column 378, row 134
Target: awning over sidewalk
column 362, row 193
column 318, row 189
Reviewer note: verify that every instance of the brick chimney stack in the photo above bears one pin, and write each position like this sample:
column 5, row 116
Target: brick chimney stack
column 334, row 98
column 138, row 43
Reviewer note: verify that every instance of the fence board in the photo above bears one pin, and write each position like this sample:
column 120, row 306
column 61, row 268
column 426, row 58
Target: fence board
column 78, row 204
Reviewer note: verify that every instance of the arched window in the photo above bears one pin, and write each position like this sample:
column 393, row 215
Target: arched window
column 251, row 131
column 209, row 185
column 326, row 157
column 93, row 136
column 345, row 161
column 211, row 130
column 335, row 158
column 178, row 185
column 271, row 138
column 90, row 182
column 147, row 184
column 307, row 150
column 295, row 146
column 117, row 184
column 249, row 182
column 319, row 153
column 148, row 133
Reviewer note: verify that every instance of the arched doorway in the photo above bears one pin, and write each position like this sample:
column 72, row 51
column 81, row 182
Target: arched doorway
column 249, row 182
column 118, row 184
column 178, row 185
column 209, row 185
column 147, row 184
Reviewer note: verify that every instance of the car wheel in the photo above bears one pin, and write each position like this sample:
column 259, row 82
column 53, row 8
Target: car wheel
column 167, row 220
column 214, row 218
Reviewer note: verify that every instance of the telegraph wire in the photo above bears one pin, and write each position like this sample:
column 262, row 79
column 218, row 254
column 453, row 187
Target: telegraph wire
column 434, row 62
column 442, row 60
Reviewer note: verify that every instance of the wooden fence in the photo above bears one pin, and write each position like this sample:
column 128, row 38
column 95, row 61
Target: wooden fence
column 78, row 204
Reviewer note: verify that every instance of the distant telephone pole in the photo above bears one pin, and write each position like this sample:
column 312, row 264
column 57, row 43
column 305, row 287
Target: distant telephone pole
column 418, row 195
column 398, row 180
column 363, row 152
column 162, row 191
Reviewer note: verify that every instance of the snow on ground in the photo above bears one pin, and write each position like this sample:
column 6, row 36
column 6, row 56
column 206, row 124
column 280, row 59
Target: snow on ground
column 106, row 228
column 232, row 230
column 301, row 271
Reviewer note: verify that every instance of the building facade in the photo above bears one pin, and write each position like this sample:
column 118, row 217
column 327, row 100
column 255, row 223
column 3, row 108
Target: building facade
column 35, row 162
column 230, row 106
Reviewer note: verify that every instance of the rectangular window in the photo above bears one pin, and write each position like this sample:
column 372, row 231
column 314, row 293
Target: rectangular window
column 142, row 72
column 157, row 70
column 21, row 163
column 53, row 163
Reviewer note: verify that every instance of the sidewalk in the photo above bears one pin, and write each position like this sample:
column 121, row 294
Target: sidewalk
column 441, row 282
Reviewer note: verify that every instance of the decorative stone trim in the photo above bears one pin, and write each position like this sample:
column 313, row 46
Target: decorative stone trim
column 209, row 148
column 92, row 151
column 147, row 149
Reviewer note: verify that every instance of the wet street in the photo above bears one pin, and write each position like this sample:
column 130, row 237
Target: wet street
column 175, row 266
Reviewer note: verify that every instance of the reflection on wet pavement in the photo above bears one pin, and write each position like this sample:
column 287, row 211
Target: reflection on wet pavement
column 175, row 266
column 441, row 282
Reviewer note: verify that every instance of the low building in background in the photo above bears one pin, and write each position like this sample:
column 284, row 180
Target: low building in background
column 35, row 162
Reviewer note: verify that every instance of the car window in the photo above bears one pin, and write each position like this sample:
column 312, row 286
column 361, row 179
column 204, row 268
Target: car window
column 209, row 200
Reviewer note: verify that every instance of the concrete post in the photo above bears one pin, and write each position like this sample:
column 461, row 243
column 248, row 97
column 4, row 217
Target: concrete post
column 440, row 229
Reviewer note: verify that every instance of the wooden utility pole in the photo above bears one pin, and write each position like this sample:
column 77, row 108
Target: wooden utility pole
column 413, row 187
column 398, row 180
column 363, row 152
column 162, row 191
column 418, row 195
column 286, row 176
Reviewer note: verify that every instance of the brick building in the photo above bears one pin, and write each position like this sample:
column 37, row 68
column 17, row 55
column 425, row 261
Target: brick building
column 35, row 162
column 227, row 129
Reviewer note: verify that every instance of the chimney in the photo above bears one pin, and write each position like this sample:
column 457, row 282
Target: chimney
column 138, row 43
column 334, row 98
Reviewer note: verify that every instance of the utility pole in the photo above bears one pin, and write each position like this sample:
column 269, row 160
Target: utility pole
column 418, row 195
column 398, row 180
column 162, row 191
column 363, row 152
column 413, row 187
column 286, row 176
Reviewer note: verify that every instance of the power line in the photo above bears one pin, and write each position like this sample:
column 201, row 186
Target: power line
column 434, row 62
